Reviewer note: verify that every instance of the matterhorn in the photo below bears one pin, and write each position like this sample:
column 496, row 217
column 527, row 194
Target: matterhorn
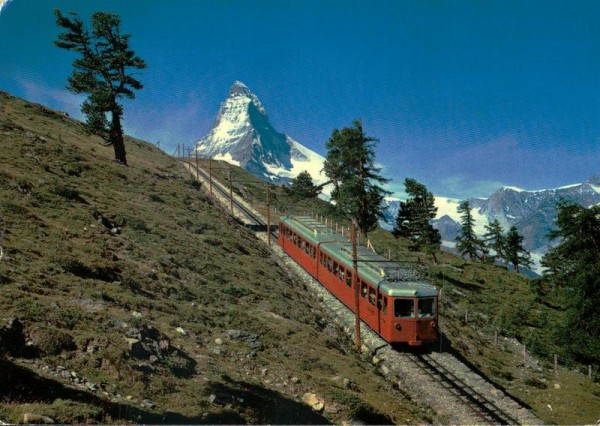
column 242, row 135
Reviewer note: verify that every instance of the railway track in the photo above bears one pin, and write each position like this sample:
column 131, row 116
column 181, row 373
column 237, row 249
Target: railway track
column 474, row 400
column 480, row 406
column 225, row 193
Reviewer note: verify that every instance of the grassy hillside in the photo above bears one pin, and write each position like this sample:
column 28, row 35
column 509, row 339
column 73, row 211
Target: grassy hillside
column 499, row 322
column 127, row 295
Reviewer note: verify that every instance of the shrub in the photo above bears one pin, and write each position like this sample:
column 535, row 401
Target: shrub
column 51, row 341
column 66, row 192
column 236, row 290
column 156, row 198
column 194, row 183
column 180, row 364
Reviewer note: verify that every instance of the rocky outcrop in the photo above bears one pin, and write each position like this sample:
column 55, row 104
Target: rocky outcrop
column 12, row 339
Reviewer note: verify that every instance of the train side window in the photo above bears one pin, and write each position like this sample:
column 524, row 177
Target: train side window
column 329, row 264
column 336, row 268
column 404, row 308
column 349, row 279
column 384, row 306
column 321, row 258
column 379, row 297
column 363, row 289
column 371, row 295
column 342, row 274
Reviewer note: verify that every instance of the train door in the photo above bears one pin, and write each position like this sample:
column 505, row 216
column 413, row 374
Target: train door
column 427, row 319
column 405, row 324
column 383, row 316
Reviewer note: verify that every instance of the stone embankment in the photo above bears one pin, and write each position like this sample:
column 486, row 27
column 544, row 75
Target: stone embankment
column 397, row 367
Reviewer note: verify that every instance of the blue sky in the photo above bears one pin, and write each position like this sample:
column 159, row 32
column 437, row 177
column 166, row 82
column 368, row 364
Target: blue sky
column 465, row 96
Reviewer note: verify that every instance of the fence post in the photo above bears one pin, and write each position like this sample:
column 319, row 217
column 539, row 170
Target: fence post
column 590, row 372
column 466, row 316
column 525, row 355
column 556, row 363
column 496, row 338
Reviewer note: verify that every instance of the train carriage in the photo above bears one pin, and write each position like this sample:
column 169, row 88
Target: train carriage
column 394, row 302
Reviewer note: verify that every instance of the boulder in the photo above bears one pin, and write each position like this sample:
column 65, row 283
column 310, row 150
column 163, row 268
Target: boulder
column 31, row 418
column 137, row 349
column 314, row 401
column 12, row 339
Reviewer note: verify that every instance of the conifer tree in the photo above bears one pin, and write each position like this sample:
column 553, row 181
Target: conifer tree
column 494, row 239
column 413, row 220
column 574, row 265
column 303, row 187
column 467, row 241
column 515, row 254
column 350, row 165
column 101, row 72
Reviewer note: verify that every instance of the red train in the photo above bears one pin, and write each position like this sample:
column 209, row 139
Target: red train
column 396, row 304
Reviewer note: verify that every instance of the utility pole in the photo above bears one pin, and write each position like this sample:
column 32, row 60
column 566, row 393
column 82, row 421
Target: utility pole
column 356, row 289
column 197, row 168
column 210, row 174
column 230, row 193
column 268, row 215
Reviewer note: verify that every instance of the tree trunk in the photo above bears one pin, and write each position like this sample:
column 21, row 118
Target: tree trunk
column 116, row 138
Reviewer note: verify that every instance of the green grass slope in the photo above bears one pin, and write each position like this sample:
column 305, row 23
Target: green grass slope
column 127, row 295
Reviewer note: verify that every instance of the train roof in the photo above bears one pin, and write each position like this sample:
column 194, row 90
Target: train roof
column 391, row 278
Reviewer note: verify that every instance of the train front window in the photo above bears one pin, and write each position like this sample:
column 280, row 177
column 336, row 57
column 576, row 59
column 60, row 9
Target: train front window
column 404, row 308
column 427, row 307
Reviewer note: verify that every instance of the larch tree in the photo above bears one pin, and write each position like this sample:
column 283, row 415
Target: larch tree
column 303, row 186
column 467, row 241
column 101, row 72
column 494, row 239
column 574, row 266
column 350, row 165
column 515, row 254
column 414, row 217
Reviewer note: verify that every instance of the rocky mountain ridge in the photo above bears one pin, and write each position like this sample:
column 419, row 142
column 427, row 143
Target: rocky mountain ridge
column 532, row 212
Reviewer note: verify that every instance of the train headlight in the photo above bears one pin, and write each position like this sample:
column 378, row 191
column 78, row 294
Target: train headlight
column 433, row 325
column 398, row 327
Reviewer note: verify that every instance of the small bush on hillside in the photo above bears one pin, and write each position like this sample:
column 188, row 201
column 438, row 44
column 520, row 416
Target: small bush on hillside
column 156, row 198
column 51, row 341
column 138, row 224
column 236, row 290
column 194, row 183
column 180, row 364
column 66, row 192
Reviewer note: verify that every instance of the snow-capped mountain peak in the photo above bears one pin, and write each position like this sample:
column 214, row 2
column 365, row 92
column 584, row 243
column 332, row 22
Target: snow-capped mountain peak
column 242, row 135
column 240, row 90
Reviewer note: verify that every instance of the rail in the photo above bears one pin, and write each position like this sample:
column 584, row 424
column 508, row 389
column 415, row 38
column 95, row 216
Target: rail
column 478, row 403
